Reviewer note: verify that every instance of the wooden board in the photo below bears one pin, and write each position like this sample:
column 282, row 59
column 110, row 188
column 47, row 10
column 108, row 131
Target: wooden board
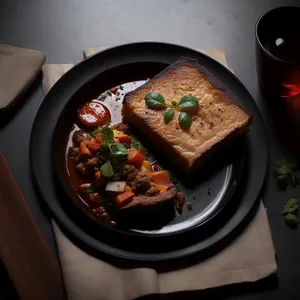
column 33, row 269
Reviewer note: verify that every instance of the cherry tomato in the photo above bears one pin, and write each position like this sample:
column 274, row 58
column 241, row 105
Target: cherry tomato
column 93, row 114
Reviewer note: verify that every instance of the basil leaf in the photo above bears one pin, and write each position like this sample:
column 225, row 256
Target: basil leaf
column 107, row 134
column 291, row 220
column 169, row 114
column 90, row 190
column 174, row 103
column 185, row 120
column 155, row 100
column 188, row 102
column 290, row 207
column 119, row 151
column 105, row 146
column 95, row 131
column 107, row 169
column 115, row 165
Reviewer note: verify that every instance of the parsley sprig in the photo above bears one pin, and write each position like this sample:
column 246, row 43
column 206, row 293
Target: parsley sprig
column 286, row 172
column 117, row 152
column 289, row 212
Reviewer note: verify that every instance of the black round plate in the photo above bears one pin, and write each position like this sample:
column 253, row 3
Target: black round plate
column 145, row 60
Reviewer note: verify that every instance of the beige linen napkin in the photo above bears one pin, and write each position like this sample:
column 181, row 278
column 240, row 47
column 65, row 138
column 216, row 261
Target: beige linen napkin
column 248, row 258
column 18, row 69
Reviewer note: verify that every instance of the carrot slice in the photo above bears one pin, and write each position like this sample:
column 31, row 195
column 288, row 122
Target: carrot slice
column 98, row 138
column 124, row 198
column 93, row 146
column 84, row 151
column 160, row 177
column 135, row 157
column 126, row 139
column 122, row 137
column 162, row 188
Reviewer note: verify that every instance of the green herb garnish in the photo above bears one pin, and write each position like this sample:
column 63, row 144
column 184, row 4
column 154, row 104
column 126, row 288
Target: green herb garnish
column 186, row 105
column 90, row 190
column 188, row 102
column 107, row 169
column 185, row 120
column 109, row 93
column 286, row 172
column 291, row 220
column 169, row 114
column 107, row 134
column 155, row 100
column 290, row 207
column 289, row 212
column 118, row 151
column 105, row 146
column 95, row 131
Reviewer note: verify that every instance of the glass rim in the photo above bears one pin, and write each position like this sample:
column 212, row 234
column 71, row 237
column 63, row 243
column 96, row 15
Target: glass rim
column 258, row 39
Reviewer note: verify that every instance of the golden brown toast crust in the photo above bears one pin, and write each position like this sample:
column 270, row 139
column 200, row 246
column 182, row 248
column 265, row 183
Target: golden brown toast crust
column 218, row 119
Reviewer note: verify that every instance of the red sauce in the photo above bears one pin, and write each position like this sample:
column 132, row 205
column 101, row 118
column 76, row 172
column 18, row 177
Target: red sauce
column 93, row 114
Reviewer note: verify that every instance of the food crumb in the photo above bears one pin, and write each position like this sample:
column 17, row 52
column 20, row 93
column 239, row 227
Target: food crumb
column 190, row 206
column 209, row 191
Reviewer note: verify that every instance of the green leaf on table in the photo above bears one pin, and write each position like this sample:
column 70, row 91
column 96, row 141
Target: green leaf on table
column 185, row 120
column 169, row 114
column 291, row 220
column 290, row 207
column 155, row 100
column 188, row 102
column 118, row 151
column 286, row 172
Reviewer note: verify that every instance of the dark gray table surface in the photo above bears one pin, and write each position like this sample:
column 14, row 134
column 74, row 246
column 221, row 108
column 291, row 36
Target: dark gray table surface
column 61, row 29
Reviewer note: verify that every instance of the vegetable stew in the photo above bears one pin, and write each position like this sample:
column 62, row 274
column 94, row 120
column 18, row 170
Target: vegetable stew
column 108, row 166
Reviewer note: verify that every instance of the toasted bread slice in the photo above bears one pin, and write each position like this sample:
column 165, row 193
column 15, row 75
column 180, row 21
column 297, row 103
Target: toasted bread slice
column 214, row 123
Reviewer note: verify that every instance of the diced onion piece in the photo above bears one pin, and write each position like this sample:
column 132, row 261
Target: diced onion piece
column 115, row 186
